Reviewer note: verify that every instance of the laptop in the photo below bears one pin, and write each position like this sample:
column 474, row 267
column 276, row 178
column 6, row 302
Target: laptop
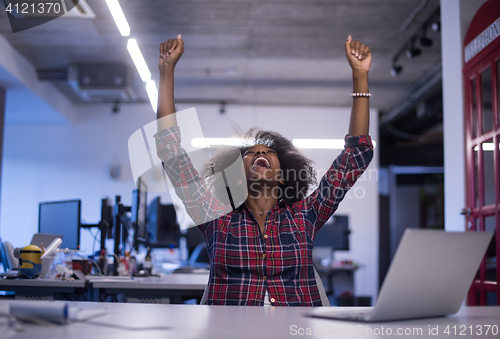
column 44, row 238
column 429, row 276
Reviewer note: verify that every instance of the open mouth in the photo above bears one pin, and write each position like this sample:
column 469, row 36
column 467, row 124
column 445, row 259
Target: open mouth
column 261, row 162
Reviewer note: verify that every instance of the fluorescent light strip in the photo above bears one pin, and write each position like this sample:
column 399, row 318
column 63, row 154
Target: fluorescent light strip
column 321, row 143
column 120, row 20
column 299, row 143
column 152, row 94
column 215, row 142
column 487, row 146
column 138, row 59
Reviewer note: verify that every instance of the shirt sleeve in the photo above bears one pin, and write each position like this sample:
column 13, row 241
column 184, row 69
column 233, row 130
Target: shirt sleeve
column 200, row 204
column 337, row 181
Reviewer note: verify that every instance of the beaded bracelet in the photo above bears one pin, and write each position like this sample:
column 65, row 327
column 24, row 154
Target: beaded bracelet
column 355, row 95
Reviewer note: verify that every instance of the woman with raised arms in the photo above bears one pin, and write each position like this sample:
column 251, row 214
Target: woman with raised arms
column 261, row 251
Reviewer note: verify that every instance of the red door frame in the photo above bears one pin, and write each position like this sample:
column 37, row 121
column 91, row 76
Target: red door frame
column 476, row 221
column 488, row 57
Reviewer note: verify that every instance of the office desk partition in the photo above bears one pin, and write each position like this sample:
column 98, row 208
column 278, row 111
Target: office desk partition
column 44, row 289
column 163, row 290
column 220, row 322
column 160, row 290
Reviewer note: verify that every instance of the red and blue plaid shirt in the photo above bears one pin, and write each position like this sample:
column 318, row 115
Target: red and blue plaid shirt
column 244, row 263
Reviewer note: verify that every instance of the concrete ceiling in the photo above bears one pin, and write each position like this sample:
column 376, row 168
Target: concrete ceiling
column 246, row 52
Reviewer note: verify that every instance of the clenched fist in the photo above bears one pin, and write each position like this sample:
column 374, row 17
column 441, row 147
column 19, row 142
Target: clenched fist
column 170, row 52
column 358, row 55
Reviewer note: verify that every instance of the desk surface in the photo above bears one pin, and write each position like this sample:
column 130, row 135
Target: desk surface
column 41, row 283
column 178, row 281
column 192, row 321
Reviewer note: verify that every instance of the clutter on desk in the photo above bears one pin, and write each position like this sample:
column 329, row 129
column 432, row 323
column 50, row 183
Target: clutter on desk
column 30, row 262
column 56, row 313
column 148, row 263
column 34, row 261
column 350, row 264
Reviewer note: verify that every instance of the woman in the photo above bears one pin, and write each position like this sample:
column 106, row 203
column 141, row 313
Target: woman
column 261, row 251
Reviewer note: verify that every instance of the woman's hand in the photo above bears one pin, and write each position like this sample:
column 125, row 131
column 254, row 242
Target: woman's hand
column 170, row 52
column 358, row 55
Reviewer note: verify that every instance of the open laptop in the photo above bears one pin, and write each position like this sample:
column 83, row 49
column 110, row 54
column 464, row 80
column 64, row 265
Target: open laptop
column 44, row 238
column 429, row 276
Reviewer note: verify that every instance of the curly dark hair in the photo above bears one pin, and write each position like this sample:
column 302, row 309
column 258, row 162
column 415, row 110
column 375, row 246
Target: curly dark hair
column 298, row 171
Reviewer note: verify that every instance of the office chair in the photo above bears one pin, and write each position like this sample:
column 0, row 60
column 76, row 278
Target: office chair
column 199, row 255
column 319, row 283
column 9, row 262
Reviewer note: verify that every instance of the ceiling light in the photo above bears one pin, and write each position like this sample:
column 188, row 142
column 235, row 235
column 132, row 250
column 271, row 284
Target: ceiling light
column 138, row 59
column 152, row 94
column 321, row 143
column 436, row 26
column 486, row 146
column 215, row 142
column 117, row 13
column 413, row 51
column 424, row 40
column 299, row 143
column 395, row 70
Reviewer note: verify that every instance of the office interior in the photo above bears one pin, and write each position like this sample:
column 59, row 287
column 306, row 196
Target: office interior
column 277, row 66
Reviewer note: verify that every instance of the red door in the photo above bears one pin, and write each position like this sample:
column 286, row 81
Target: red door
column 482, row 138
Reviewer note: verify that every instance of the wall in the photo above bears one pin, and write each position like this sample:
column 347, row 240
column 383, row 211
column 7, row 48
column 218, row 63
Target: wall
column 455, row 19
column 58, row 162
column 406, row 212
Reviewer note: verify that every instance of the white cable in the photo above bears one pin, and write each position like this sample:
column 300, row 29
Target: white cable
column 96, row 265
column 412, row 15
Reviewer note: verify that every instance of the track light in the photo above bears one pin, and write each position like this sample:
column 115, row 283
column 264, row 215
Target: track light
column 395, row 70
column 424, row 40
column 436, row 26
column 413, row 51
column 420, row 36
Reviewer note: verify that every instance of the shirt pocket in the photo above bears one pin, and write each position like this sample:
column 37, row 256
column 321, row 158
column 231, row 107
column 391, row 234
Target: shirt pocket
column 289, row 248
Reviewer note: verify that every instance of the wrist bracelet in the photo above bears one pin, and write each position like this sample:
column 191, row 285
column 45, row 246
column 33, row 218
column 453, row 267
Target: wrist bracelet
column 355, row 95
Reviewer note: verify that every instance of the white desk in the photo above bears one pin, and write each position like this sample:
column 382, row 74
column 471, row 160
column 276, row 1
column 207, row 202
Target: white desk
column 219, row 322
column 42, row 289
column 152, row 289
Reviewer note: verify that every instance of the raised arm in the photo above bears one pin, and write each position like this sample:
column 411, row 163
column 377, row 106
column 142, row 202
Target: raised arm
column 170, row 53
column 360, row 58
column 200, row 204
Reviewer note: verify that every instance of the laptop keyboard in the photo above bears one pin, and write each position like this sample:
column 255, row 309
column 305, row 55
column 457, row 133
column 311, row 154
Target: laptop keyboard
column 354, row 315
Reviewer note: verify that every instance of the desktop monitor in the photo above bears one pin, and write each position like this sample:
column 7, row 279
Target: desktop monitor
column 61, row 217
column 334, row 233
column 106, row 223
column 139, row 211
column 163, row 229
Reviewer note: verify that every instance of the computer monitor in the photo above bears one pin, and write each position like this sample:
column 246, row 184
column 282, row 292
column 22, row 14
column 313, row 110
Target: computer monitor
column 61, row 217
column 163, row 229
column 334, row 233
column 106, row 223
column 139, row 211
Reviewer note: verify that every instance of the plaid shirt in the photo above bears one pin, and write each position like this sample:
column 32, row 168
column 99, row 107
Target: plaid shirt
column 244, row 263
